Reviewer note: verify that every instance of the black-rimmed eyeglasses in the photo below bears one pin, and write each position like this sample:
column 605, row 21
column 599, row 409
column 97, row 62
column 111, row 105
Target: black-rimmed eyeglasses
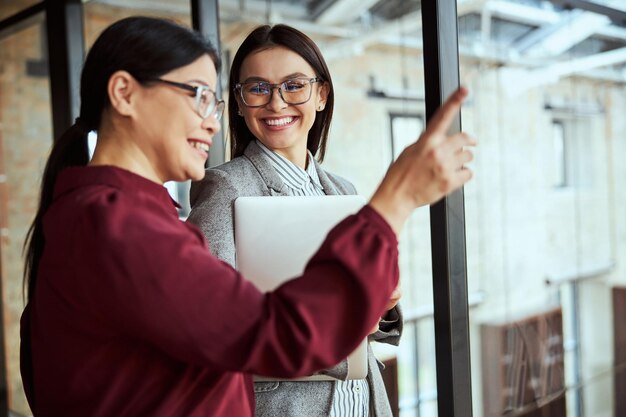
column 259, row 93
column 207, row 103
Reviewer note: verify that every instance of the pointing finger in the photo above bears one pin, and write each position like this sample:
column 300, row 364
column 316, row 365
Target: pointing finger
column 441, row 121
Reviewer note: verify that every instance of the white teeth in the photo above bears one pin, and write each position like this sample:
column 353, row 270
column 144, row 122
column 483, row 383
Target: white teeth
column 200, row 145
column 279, row 122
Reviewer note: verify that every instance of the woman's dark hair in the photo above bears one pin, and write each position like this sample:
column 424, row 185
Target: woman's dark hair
column 265, row 37
column 146, row 48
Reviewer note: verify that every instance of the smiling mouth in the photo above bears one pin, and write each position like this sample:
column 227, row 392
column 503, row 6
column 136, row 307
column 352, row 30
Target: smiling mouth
column 203, row 146
column 283, row 121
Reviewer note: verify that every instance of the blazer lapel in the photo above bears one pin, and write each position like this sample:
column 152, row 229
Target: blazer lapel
column 274, row 183
column 329, row 187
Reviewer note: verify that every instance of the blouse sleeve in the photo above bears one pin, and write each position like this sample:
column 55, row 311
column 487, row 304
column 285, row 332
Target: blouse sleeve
column 152, row 279
column 391, row 324
column 213, row 212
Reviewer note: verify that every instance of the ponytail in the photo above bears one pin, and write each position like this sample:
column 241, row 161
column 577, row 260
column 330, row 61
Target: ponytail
column 69, row 150
column 146, row 48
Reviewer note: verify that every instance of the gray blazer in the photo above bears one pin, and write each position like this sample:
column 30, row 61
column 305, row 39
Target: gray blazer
column 212, row 210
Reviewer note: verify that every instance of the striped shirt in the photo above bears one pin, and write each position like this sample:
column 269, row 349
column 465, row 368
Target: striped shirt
column 299, row 181
column 351, row 398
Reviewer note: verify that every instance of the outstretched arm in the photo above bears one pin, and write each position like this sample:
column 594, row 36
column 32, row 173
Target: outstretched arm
column 428, row 169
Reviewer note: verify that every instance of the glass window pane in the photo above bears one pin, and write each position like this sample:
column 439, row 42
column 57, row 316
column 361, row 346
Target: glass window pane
column 9, row 8
column 374, row 55
column 25, row 139
column 545, row 233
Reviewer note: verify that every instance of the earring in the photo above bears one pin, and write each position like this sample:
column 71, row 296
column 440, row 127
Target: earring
column 239, row 113
column 321, row 107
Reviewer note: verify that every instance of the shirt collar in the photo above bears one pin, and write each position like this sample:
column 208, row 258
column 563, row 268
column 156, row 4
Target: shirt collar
column 292, row 175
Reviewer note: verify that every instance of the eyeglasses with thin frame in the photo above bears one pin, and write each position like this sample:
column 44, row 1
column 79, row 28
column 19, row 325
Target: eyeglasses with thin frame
column 259, row 93
column 207, row 103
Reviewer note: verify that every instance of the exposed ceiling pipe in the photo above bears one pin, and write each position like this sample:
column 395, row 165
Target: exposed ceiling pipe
column 356, row 45
column 344, row 11
column 464, row 7
column 355, row 38
column 517, row 80
column 259, row 7
column 558, row 38
column 534, row 16
column 616, row 15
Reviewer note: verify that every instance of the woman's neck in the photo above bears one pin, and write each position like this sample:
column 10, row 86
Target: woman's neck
column 117, row 149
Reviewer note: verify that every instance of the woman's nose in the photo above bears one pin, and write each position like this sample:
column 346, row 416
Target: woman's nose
column 276, row 102
column 211, row 124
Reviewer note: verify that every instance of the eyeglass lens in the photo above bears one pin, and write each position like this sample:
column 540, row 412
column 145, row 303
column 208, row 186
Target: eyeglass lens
column 292, row 92
column 208, row 104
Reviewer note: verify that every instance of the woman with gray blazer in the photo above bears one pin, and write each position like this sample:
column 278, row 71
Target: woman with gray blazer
column 280, row 108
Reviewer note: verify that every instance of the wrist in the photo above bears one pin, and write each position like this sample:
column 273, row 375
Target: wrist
column 393, row 209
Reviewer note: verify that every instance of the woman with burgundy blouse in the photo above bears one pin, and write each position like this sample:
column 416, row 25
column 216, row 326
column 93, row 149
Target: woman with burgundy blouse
column 128, row 313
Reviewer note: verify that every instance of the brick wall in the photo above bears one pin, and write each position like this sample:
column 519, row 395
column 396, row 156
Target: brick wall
column 25, row 139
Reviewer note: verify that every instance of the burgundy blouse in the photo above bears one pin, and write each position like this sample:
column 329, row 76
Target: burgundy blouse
column 132, row 315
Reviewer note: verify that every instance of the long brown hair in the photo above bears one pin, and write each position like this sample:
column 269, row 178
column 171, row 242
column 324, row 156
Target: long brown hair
column 266, row 37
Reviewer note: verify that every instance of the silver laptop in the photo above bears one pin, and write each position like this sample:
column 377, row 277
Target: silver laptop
column 276, row 236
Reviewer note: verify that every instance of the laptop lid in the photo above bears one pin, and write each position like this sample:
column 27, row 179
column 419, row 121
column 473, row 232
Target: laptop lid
column 276, row 236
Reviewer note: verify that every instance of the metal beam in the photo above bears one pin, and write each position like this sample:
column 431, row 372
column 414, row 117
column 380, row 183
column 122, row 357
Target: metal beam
column 603, row 59
column 617, row 16
column 537, row 36
column 259, row 9
column 164, row 6
column 64, row 24
column 522, row 13
column 356, row 45
column 464, row 7
column 447, row 223
column 343, row 11
column 485, row 27
column 534, row 16
column 205, row 19
column 613, row 32
column 553, row 40
column 306, row 26
column 21, row 20
column 515, row 81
